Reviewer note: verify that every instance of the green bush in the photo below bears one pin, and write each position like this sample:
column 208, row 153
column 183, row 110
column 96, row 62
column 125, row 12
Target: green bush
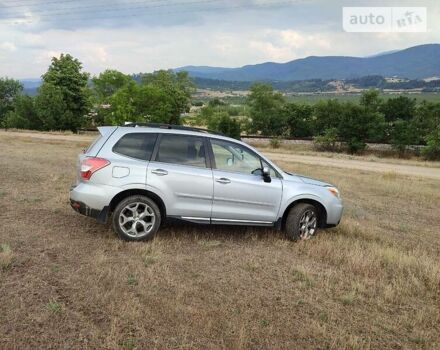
column 222, row 122
column 198, row 104
column 432, row 149
column 275, row 142
column 328, row 141
column 402, row 135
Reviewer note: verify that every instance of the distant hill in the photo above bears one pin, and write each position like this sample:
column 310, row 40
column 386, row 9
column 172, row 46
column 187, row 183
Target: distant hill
column 416, row 62
column 30, row 86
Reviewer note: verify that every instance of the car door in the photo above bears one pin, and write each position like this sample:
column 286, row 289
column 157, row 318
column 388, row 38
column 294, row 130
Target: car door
column 240, row 193
column 181, row 175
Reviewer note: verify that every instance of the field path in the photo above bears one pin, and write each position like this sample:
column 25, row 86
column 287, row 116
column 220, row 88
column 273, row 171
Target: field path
column 49, row 136
column 402, row 169
column 409, row 170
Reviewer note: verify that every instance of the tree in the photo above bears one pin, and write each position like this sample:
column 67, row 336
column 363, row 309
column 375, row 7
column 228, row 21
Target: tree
column 142, row 103
column 359, row 124
column 107, row 83
column 298, row 119
column 104, row 86
column 9, row 90
column 401, row 107
column 24, row 115
column 265, row 110
column 426, row 119
column 432, row 149
column 370, row 100
column 222, row 122
column 66, row 79
column 176, row 88
column 52, row 109
column 402, row 135
column 327, row 115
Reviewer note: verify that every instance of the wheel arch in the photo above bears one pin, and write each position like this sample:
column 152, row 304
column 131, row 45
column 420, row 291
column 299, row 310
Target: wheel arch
column 322, row 211
column 137, row 191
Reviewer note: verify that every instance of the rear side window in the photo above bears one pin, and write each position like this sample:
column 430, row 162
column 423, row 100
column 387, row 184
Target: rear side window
column 136, row 145
column 182, row 149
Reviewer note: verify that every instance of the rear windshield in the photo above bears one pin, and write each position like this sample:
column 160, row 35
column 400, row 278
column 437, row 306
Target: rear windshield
column 136, row 145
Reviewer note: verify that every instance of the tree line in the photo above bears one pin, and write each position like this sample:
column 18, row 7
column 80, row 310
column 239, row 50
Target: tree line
column 69, row 99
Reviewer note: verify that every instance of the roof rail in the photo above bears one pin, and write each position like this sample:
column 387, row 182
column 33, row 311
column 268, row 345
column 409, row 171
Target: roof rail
column 170, row 126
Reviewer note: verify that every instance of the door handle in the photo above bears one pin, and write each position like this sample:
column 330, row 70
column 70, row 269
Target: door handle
column 160, row 172
column 223, row 180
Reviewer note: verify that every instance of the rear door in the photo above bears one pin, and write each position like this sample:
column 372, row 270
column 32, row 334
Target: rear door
column 240, row 193
column 180, row 173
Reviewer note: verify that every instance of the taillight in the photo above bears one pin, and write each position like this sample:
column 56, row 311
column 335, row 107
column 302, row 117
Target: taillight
column 91, row 165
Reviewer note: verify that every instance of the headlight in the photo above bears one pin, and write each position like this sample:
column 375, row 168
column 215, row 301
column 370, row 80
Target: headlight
column 334, row 191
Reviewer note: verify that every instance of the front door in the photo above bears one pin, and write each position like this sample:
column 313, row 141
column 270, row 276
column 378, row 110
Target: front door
column 180, row 175
column 240, row 193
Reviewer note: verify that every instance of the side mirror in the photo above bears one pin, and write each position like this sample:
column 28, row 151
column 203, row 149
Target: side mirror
column 266, row 174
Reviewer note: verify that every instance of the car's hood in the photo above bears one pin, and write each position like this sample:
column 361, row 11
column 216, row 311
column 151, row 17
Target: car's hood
column 308, row 180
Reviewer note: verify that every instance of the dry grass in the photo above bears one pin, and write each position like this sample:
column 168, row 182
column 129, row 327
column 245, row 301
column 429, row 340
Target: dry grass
column 68, row 282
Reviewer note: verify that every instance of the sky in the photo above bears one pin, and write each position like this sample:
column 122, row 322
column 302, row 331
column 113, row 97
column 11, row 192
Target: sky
column 145, row 35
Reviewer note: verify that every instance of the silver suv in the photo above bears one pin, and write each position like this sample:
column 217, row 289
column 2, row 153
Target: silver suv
column 141, row 175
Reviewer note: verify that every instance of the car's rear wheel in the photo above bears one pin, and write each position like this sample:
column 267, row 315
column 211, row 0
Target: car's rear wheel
column 136, row 218
column 302, row 222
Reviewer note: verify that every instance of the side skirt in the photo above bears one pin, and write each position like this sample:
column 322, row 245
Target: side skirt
column 199, row 220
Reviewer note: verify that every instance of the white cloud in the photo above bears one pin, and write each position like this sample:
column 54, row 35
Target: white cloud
column 8, row 46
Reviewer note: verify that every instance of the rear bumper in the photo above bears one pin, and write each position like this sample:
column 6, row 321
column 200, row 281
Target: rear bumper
column 91, row 200
column 83, row 209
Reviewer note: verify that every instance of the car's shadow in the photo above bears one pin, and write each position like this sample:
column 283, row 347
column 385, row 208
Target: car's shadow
column 175, row 229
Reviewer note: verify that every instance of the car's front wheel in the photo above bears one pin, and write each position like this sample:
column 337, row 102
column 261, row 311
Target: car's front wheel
column 136, row 218
column 302, row 222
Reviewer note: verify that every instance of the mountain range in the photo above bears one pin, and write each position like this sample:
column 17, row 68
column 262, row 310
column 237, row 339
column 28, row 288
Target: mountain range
column 418, row 62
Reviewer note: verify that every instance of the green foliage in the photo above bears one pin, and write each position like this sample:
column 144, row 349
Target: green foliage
column 402, row 135
column 401, row 107
column 371, row 100
column 222, row 122
column 328, row 141
column 107, row 83
column 426, row 119
column 176, row 89
column 432, row 149
column 299, row 119
column 215, row 102
column 198, row 104
column 327, row 115
column 266, row 110
column 68, row 84
column 24, row 115
column 10, row 89
column 360, row 123
column 52, row 109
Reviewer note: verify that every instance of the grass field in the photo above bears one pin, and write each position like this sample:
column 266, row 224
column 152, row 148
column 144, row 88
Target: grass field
column 68, row 282
column 349, row 97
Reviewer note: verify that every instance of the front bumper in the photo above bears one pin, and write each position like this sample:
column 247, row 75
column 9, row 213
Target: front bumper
column 334, row 214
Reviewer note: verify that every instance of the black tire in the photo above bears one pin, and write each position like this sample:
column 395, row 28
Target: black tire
column 295, row 228
column 145, row 228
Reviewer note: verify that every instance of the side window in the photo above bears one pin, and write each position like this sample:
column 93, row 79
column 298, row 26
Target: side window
column 136, row 145
column 230, row 156
column 182, row 149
